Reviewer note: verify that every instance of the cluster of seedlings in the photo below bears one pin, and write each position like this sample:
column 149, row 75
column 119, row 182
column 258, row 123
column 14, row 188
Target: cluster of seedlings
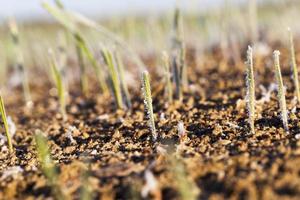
column 175, row 84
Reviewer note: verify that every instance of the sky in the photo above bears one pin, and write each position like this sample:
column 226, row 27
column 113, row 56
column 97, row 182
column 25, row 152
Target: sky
column 26, row 10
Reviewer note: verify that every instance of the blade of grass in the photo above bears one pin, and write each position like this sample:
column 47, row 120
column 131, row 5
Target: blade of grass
column 4, row 120
column 294, row 65
column 14, row 32
column 167, row 74
column 250, row 98
column 281, row 91
column 59, row 84
column 120, row 68
column 148, row 103
column 83, row 75
column 109, row 61
column 47, row 165
column 84, row 48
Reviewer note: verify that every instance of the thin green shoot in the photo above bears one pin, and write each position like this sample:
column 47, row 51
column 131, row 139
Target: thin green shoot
column 82, row 67
column 59, row 4
column 148, row 103
column 47, row 165
column 109, row 61
column 4, row 120
column 59, row 84
column 178, row 55
column 294, row 65
column 89, row 55
column 120, row 68
column 187, row 188
column 281, row 91
column 167, row 75
column 19, row 65
column 86, row 190
column 250, row 98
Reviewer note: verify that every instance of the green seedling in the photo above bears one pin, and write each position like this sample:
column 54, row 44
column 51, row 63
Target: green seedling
column 148, row 103
column 19, row 65
column 167, row 75
column 178, row 56
column 250, row 98
column 4, row 120
column 281, row 91
column 109, row 61
column 83, row 73
column 89, row 55
column 59, row 4
column 59, row 84
column 294, row 65
column 120, row 68
column 186, row 187
column 47, row 165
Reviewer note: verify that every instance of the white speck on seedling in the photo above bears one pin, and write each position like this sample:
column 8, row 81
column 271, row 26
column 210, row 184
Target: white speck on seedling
column 161, row 150
column 11, row 172
column 297, row 136
column 103, row 117
column 162, row 117
column 69, row 134
column 94, row 152
column 11, row 126
column 233, row 125
column 266, row 94
column 151, row 185
column 181, row 131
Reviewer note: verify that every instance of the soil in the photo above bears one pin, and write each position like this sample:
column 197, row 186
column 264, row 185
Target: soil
column 115, row 147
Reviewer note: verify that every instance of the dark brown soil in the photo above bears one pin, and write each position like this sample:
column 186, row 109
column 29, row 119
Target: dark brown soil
column 115, row 146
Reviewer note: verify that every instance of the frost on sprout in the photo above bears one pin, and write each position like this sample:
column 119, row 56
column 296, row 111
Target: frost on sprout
column 266, row 94
column 250, row 97
column 151, row 185
column 11, row 126
column 11, row 172
column 281, row 90
column 69, row 134
column 181, row 131
column 148, row 102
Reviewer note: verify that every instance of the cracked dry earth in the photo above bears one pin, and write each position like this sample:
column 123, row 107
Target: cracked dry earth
column 219, row 155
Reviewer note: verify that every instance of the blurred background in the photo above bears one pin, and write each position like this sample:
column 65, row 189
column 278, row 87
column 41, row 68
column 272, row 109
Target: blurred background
column 31, row 10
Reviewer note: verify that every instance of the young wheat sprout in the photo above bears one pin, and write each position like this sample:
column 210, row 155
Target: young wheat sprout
column 89, row 55
column 4, row 120
column 14, row 32
column 281, row 90
column 166, row 63
column 47, row 165
column 59, row 84
column 250, row 97
column 294, row 65
column 120, row 68
column 109, row 61
column 148, row 102
column 178, row 55
column 83, row 75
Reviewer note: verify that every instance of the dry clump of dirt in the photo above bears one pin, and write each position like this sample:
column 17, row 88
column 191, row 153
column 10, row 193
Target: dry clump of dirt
column 115, row 146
